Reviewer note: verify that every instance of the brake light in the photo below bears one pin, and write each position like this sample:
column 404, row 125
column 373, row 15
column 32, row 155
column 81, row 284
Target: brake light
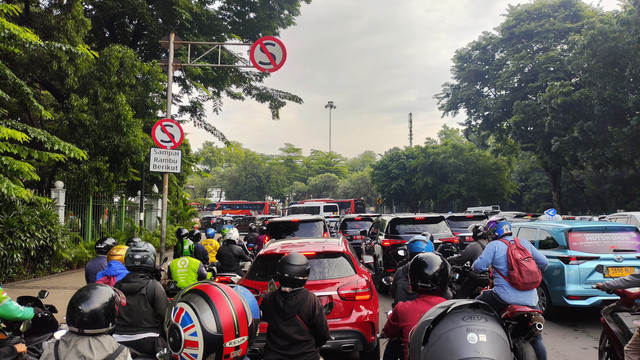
column 308, row 253
column 223, row 279
column 390, row 242
column 576, row 297
column 419, row 218
column 358, row 290
column 295, row 220
column 576, row 260
column 326, row 235
column 266, row 239
column 454, row 240
column 357, row 218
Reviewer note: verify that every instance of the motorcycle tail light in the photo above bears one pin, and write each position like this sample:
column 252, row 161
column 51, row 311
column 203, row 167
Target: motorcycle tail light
column 576, row 260
column 389, row 242
column 223, row 279
column 357, row 290
column 266, row 239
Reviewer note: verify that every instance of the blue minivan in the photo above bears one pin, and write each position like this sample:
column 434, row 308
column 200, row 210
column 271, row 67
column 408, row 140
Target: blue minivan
column 574, row 248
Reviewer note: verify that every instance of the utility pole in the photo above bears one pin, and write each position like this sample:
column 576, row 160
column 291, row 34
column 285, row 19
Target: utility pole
column 410, row 131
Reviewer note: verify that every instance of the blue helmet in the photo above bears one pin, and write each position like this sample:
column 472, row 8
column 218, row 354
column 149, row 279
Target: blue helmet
column 497, row 227
column 419, row 244
column 210, row 233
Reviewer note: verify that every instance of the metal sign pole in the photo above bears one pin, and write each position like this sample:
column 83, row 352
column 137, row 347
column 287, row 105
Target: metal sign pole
column 165, row 177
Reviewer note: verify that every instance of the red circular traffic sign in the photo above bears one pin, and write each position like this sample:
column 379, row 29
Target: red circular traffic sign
column 268, row 54
column 167, row 134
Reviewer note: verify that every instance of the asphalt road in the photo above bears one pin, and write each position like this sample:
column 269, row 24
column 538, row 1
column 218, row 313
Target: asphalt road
column 572, row 335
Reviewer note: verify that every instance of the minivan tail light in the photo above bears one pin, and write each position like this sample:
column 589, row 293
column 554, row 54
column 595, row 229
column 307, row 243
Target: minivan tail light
column 576, row 260
column 454, row 240
column 390, row 242
column 357, row 290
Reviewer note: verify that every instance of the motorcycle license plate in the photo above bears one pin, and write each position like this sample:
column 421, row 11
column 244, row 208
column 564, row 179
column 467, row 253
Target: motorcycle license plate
column 620, row 271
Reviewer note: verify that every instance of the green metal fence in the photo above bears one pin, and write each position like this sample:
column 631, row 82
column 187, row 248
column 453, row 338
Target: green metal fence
column 99, row 215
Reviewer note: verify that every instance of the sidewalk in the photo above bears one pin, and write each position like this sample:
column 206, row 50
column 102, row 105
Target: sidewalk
column 60, row 286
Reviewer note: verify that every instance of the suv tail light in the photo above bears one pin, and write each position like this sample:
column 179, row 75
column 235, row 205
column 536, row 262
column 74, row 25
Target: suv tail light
column 266, row 239
column 357, row 290
column 357, row 237
column 454, row 240
column 389, row 242
column 576, row 260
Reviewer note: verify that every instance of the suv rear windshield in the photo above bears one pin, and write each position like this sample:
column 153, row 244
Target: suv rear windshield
column 418, row 225
column 604, row 242
column 465, row 221
column 353, row 224
column 290, row 229
column 324, row 266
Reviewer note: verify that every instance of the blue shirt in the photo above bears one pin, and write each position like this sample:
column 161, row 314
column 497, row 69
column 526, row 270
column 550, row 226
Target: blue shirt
column 495, row 254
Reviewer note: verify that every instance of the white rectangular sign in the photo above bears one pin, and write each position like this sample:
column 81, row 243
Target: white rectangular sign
column 165, row 161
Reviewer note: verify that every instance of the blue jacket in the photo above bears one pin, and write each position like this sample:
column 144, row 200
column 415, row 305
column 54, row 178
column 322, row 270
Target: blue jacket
column 495, row 254
column 114, row 268
column 94, row 266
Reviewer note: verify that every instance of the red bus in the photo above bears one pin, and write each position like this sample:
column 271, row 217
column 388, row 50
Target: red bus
column 346, row 206
column 242, row 207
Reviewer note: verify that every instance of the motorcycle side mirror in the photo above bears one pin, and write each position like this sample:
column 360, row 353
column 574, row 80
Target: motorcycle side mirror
column 387, row 280
column 42, row 294
column 25, row 325
column 367, row 259
column 164, row 260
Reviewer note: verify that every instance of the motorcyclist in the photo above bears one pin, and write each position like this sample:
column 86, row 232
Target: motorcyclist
column 139, row 324
column 262, row 235
column 186, row 270
column 200, row 252
column 181, row 234
column 503, row 294
column 470, row 254
column 115, row 270
column 400, row 288
column 91, row 316
column 632, row 348
column 99, row 263
column 211, row 244
column 429, row 275
column 12, row 311
column 297, row 324
column 252, row 236
column 231, row 254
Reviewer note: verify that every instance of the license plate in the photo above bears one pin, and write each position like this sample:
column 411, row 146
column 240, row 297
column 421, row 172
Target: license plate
column 619, row 271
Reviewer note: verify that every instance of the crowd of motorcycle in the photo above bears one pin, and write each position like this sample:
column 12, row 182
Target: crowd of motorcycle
column 193, row 325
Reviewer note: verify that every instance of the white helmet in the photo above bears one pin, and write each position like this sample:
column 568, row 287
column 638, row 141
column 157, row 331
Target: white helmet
column 233, row 236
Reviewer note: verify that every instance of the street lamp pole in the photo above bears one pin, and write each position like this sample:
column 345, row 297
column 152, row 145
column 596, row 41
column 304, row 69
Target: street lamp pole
column 330, row 106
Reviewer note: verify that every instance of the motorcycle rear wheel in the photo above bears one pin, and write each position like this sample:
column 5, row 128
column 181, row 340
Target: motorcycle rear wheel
column 606, row 351
column 522, row 350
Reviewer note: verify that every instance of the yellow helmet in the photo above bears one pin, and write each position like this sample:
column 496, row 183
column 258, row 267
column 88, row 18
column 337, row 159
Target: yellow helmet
column 117, row 253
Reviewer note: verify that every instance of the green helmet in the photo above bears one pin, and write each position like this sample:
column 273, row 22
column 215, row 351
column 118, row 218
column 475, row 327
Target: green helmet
column 224, row 232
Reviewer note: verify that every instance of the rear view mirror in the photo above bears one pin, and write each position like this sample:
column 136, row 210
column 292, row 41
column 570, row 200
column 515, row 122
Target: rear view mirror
column 42, row 294
column 367, row 259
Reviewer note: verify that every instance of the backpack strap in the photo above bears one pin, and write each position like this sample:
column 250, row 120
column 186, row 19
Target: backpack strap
column 115, row 354
column 55, row 350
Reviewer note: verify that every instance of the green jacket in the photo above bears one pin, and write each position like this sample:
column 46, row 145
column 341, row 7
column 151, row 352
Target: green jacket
column 10, row 310
column 186, row 270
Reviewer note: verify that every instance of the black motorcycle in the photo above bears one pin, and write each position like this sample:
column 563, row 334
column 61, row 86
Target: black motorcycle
column 36, row 332
column 460, row 274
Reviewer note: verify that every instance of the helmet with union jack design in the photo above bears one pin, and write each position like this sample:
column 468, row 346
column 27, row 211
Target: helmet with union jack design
column 209, row 320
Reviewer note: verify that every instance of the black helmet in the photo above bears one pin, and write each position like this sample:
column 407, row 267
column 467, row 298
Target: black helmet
column 133, row 240
column 195, row 235
column 93, row 309
column 293, row 270
column 104, row 244
column 477, row 231
column 181, row 234
column 262, row 230
column 212, row 318
column 252, row 228
column 185, row 247
column 448, row 322
column 429, row 273
column 140, row 256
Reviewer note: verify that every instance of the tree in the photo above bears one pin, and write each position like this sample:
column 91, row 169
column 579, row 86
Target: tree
column 358, row 185
column 321, row 162
column 323, row 186
column 361, row 162
column 507, row 82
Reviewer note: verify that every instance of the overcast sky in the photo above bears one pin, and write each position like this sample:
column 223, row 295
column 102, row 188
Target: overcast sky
column 377, row 60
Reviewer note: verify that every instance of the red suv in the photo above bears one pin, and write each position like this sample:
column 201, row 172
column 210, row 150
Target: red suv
column 344, row 288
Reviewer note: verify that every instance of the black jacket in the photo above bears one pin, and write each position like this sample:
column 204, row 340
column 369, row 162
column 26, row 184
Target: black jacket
column 470, row 253
column 297, row 325
column 145, row 308
column 229, row 256
column 400, row 288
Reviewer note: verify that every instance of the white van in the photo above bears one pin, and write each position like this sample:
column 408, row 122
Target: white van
column 314, row 208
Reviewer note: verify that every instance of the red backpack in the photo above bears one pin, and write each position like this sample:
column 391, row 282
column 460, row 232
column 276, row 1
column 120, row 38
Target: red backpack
column 524, row 273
